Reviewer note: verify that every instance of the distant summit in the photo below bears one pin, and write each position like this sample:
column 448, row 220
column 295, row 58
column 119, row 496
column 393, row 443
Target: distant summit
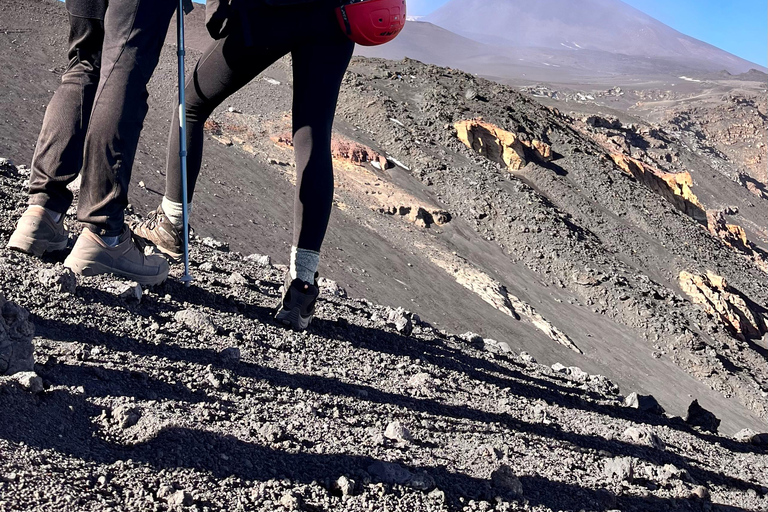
column 585, row 26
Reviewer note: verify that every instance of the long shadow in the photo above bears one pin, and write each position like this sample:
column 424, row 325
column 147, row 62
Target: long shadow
column 365, row 393
column 435, row 351
column 61, row 421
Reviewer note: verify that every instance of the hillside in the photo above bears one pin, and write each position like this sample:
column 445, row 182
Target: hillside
column 194, row 399
column 619, row 248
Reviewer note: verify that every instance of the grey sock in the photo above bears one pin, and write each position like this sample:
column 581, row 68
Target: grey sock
column 175, row 212
column 304, row 264
column 111, row 241
column 56, row 216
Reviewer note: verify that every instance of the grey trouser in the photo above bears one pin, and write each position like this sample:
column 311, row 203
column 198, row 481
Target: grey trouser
column 92, row 124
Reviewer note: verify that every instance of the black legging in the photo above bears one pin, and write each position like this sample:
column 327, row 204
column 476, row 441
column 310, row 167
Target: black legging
column 321, row 54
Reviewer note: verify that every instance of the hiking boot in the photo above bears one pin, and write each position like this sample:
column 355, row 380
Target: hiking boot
column 298, row 303
column 91, row 256
column 160, row 232
column 37, row 233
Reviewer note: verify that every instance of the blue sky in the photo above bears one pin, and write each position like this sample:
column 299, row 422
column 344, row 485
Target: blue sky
column 737, row 26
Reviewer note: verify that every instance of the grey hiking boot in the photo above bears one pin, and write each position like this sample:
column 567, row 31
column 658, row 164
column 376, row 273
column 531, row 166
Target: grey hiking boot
column 37, row 233
column 160, row 232
column 298, row 303
column 91, row 256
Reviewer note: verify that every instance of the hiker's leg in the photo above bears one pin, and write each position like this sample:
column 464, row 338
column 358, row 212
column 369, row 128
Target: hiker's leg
column 59, row 152
column 318, row 68
column 134, row 34
column 226, row 67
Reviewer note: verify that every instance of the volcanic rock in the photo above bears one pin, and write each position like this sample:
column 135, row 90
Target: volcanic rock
column 674, row 187
column 749, row 436
column 29, row 381
column 504, row 479
column 724, row 302
column 196, row 321
column 389, row 472
column 397, row 432
column 262, row 260
column 620, row 469
column 126, row 415
column 16, row 332
column 58, row 279
column 645, row 403
column 697, row 416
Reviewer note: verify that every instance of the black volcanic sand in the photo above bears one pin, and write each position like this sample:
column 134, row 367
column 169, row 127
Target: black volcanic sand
column 144, row 410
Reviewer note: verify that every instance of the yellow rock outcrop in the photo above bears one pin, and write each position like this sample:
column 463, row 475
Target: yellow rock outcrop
column 499, row 145
column 724, row 302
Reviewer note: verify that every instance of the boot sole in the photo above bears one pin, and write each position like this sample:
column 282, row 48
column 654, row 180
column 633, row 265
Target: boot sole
column 94, row 268
column 34, row 246
column 292, row 318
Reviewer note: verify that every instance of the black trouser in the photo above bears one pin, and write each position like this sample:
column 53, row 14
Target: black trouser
column 320, row 54
column 95, row 117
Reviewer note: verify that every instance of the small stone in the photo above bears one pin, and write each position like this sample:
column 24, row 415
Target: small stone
column 619, row 469
column 527, row 358
column 30, row 381
column 501, row 347
column 237, row 279
column 559, row 368
column 179, row 499
column 642, row 436
column 400, row 319
column 645, row 403
column 262, row 260
column 16, row 332
column 421, row 482
column 289, row 501
column 389, row 472
column 58, row 279
column 127, row 290
column 230, row 354
column 749, row 436
column 272, row 432
column 215, row 244
column 165, row 491
column 419, row 380
column 126, row 415
column 332, row 288
column 700, row 493
column 196, row 321
column 344, row 485
column 504, row 479
column 397, row 432
column 697, row 416
column 577, row 374
column 208, row 266
column 472, row 338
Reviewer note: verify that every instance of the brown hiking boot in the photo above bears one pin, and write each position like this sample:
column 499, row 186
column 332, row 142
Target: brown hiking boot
column 160, row 232
column 37, row 233
column 91, row 256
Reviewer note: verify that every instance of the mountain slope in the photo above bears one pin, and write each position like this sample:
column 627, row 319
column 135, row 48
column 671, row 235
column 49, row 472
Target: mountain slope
column 600, row 25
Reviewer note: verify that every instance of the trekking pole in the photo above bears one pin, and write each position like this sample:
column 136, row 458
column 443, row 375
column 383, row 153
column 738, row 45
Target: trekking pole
column 187, row 278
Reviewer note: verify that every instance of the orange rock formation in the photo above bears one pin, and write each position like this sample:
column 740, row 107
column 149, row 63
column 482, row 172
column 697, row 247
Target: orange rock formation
column 729, row 305
column 500, row 146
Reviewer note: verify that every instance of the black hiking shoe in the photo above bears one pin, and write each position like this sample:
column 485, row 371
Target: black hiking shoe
column 158, row 231
column 298, row 304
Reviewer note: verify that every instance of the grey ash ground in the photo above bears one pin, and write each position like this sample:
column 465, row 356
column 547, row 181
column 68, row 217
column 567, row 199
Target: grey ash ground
column 194, row 399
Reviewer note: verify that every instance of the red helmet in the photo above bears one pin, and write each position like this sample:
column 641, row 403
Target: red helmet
column 371, row 22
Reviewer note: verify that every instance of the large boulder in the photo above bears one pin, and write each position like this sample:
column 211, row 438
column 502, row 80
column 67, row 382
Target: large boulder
column 16, row 332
